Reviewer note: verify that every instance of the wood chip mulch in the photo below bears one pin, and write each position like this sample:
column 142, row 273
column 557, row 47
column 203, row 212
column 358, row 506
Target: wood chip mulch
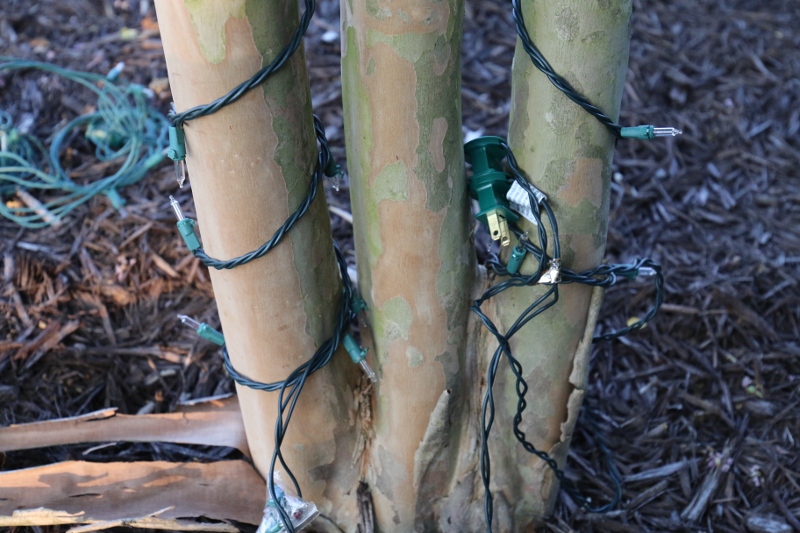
column 699, row 409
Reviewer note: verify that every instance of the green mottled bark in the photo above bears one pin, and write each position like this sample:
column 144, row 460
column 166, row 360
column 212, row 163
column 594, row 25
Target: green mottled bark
column 250, row 164
column 415, row 441
column 401, row 89
column 567, row 154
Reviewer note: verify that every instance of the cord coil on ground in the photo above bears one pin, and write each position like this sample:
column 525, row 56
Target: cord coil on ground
column 123, row 127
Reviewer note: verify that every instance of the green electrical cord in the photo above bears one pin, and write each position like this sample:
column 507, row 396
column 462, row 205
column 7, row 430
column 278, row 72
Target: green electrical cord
column 290, row 388
column 124, row 128
column 540, row 62
column 548, row 272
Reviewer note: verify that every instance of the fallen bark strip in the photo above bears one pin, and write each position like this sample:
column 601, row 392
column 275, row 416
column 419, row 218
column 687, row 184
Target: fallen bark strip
column 157, row 495
column 214, row 423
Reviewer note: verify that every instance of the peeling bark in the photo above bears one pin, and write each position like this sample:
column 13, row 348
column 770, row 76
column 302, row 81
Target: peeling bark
column 249, row 165
column 401, row 91
column 567, row 154
column 214, row 423
column 156, row 495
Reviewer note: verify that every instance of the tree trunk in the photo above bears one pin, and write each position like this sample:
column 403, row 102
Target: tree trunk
column 567, row 154
column 401, row 91
column 250, row 165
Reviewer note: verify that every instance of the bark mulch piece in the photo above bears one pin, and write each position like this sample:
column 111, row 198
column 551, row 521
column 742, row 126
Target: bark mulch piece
column 699, row 408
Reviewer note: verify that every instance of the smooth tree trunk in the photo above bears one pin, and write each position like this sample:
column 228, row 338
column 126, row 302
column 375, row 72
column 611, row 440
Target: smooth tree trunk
column 567, row 154
column 401, row 90
column 249, row 167
column 414, row 439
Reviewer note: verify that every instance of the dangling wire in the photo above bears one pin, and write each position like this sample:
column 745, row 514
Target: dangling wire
column 604, row 276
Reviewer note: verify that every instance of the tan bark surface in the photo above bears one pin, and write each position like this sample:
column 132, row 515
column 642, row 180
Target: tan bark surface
column 401, row 90
column 567, row 154
column 213, row 423
column 249, row 166
column 155, row 494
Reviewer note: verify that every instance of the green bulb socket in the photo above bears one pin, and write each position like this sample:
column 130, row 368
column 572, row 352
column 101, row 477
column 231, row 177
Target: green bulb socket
column 357, row 304
column 643, row 133
column 332, row 169
column 356, row 352
column 177, row 144
column 186, row 229
column 210, row 334
column 101, row 136
column 489, row 182
column 516, row 259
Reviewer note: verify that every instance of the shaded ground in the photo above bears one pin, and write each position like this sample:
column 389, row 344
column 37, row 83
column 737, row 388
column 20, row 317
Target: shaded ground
column 700, row 408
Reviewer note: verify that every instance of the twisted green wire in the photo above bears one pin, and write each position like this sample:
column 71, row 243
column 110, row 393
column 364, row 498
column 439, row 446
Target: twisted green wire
column 124, row 128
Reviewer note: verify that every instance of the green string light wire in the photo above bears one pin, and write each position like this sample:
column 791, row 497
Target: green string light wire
column 604, row 276
column 541, row 63
column 290, row 388
column 124, row 128
column 324, row 160
column 178, row 119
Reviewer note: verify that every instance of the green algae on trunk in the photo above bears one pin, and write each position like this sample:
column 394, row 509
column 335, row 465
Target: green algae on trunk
column 401, row 90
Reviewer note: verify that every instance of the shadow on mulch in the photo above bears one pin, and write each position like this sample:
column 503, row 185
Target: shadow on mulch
column 699, row 408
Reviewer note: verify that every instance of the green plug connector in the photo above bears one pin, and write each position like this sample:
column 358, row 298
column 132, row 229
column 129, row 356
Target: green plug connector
column 516, row 259
column 185, row 226
column 489, row 185
column 358, row 355
column 203, row 330
column 647, row 133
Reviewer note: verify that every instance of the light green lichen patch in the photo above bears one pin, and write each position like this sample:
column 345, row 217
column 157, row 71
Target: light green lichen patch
column 376, row 10
column 567, row 24
column 359, row 146
column 456, row 256
column 435, row 92
column 394, row 320
column 208, row 19
column 391, row 183
column 409, row 46
column 414, row 356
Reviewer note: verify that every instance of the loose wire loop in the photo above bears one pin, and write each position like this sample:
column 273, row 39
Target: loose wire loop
column 123, row 127
column 601, row 276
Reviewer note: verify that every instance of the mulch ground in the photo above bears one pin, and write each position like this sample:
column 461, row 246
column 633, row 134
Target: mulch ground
column 700, row 408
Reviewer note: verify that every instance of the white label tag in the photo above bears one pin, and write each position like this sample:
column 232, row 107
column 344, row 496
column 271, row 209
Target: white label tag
column 521, row 202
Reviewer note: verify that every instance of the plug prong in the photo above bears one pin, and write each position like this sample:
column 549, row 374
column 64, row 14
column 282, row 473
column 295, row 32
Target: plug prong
column 498, row 228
